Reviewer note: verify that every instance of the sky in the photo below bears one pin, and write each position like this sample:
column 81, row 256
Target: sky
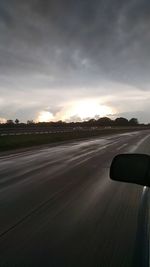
column 74, row 60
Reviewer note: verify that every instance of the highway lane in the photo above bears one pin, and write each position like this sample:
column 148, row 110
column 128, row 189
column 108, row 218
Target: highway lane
column 59, row 208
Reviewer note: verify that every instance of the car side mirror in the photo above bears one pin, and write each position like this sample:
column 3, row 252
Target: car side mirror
column 131, row 168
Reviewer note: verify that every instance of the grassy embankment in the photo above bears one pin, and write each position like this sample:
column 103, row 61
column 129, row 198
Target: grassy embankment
column 23, row 141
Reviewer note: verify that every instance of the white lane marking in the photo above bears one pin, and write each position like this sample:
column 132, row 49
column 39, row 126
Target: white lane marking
column 122, row 146
column 139, row 143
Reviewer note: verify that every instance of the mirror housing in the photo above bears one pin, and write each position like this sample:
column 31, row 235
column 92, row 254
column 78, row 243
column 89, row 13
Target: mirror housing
column 131, row 168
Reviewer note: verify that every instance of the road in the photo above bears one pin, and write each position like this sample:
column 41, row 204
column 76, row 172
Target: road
column 58, row 206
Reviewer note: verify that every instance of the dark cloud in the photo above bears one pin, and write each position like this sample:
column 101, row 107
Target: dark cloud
column 45, row 35
column 64, row 44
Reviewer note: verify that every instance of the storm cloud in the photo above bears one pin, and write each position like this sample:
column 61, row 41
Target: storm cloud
column 54, row 51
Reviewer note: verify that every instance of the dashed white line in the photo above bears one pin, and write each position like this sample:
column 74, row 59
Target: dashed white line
column 119, row 148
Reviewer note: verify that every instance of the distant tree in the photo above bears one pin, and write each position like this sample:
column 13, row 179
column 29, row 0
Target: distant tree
column 133, row 121
column 30, row 122
column 60, row 123
column 91, row 122
column 121, row 121
column 105, row 121
column 17, row 121
column 10, row 122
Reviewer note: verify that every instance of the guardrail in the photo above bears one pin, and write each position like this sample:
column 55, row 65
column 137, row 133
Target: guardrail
column 20, row 131
column 51, row 130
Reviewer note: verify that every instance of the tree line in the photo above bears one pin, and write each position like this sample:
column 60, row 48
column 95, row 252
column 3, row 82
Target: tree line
column 104, row 121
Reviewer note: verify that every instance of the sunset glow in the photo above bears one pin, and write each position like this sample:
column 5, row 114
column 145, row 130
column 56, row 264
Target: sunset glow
column 90, row 109
column 76, row 111
column 45, row 116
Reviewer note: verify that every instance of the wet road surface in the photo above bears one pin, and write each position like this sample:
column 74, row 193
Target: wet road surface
column 58, row 206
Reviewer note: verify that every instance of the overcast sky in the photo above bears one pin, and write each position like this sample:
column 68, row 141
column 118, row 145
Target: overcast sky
column 72, row 59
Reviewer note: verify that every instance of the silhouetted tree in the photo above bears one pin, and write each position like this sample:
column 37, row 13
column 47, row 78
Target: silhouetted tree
column 17, row 121
column 121, row 121
column 133, row 121
column 10, row 122
column 105, row 121
column 30, row 122
column 91, row 122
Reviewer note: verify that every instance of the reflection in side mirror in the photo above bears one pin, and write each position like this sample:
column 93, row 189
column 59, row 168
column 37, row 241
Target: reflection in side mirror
column 131, row 168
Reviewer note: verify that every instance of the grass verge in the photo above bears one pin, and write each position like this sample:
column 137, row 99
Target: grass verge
column 24, row 141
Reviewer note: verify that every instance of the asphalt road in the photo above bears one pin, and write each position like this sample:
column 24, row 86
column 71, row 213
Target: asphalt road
column 58, row 206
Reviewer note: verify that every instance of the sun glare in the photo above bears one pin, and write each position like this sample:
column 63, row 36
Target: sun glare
column 45, row 116
column 75, row 111
column 86, row 109
column 2, row 120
